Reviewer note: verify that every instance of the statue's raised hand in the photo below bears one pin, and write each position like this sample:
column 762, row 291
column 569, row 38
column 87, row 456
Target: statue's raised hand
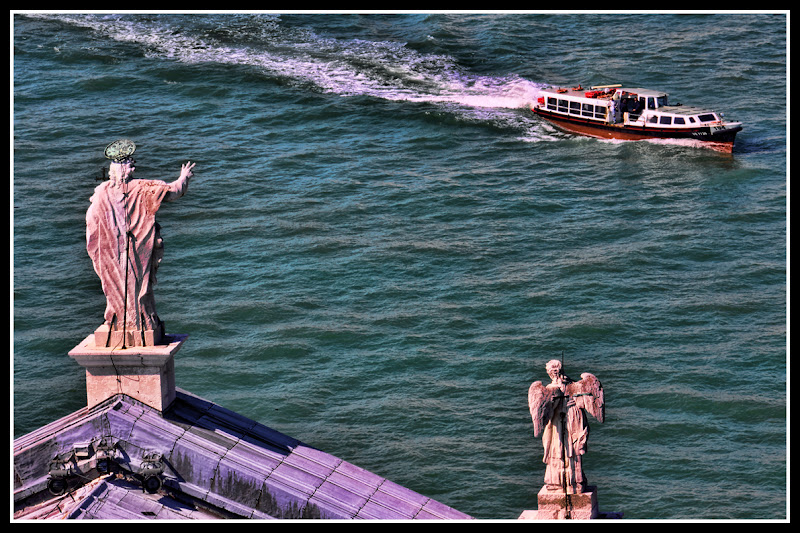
column 186, row 169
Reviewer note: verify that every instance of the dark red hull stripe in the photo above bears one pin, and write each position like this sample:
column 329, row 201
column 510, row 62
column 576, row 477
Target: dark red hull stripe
column 607, row 131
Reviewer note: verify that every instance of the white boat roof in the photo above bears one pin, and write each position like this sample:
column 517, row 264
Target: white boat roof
column 642, row 92
column 635, row 90
column 647, row 93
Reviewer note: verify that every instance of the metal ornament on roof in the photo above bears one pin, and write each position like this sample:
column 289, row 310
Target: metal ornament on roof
column 120, row 150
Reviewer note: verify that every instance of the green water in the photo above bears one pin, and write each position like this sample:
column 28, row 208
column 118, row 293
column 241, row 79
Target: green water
column 382, row 247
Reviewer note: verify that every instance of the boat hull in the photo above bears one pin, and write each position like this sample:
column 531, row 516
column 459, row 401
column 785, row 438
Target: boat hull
column 718, row 139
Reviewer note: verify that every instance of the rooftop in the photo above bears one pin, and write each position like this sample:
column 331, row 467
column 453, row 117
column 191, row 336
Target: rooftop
column 122, row 459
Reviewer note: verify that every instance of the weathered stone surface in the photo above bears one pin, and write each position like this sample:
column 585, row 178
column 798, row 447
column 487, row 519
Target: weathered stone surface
column 232, row 465
column 116, row 499
column 146, row 373
column 558, row 411
column 560, row 505
column 124, row 242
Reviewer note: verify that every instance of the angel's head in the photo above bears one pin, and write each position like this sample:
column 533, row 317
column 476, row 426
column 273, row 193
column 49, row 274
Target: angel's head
column 554, row 369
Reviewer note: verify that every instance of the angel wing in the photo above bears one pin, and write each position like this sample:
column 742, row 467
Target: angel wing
column 588, row 394
column 540, row 403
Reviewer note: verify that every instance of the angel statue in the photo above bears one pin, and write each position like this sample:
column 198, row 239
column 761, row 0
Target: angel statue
column 558, row 411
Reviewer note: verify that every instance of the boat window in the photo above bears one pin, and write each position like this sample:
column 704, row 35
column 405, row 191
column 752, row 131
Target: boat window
column 551, row 103
column 661, row 101
column 600, row 111
column 679, row 120
column 665, row 120
column 653, row 119
column 692, row 120
column 587, row 110
column 708, row 117
column 562, row 105
column 575, row 108
column 651, row 103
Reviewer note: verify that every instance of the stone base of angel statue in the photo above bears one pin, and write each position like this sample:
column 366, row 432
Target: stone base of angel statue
column 559, row 413
column 124, row 242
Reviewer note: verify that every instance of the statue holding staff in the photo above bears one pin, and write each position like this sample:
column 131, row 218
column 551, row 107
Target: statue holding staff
column 124, row 242
column 559, row 411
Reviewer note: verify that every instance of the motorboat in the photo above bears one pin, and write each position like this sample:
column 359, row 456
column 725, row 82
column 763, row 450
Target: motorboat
column 617, row 112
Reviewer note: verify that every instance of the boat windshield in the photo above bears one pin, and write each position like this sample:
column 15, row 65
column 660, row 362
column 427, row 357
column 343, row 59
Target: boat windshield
column 654, row 102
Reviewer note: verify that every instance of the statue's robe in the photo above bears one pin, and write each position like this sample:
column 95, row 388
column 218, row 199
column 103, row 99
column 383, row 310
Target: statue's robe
column 124, row 243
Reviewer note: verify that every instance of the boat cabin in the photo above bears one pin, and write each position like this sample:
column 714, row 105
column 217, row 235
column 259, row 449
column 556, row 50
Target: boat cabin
column 625, row 106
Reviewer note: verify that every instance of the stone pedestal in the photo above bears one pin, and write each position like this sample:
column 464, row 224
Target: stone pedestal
column 145, row 373
column 104, row 336
column 559, row 505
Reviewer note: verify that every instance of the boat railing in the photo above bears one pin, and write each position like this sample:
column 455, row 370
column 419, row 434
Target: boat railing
column 633, row 117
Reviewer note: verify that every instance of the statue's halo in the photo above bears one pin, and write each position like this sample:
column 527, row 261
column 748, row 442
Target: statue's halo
column 120, row 150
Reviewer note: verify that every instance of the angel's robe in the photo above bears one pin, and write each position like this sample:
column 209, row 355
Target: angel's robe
column 564, row 441
column 124, row 243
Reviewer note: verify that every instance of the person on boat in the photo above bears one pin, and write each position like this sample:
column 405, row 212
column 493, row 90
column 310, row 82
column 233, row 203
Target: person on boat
column 626, row 107
column 612, row 112
column 636, row 107
column 617, row 101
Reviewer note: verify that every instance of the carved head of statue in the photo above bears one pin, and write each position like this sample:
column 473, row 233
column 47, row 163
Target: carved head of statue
column 121, row 172
column 554, row 369
column 120, row 153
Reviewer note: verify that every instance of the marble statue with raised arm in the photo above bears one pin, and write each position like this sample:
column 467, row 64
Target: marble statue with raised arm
column 124, row 242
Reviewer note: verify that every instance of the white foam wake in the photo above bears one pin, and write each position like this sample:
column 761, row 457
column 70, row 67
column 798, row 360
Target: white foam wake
column 346, row 67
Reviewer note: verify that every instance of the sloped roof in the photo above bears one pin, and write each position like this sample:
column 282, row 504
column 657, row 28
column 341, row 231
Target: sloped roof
column 215, row 463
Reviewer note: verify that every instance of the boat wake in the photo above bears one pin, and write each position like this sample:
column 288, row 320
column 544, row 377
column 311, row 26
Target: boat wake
column 352, row 67
column 685, row 143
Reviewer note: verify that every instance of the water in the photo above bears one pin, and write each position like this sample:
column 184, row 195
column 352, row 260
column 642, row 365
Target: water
column 382, row 247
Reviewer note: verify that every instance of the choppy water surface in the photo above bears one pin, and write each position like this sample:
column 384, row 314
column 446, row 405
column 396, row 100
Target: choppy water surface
column 382, row 247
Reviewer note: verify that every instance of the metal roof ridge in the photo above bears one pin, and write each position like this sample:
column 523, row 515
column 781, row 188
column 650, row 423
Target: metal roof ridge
column 216, row 457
